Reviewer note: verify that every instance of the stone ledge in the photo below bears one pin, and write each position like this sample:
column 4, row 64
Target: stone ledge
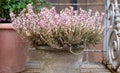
column 34, row 67
column 93, row 68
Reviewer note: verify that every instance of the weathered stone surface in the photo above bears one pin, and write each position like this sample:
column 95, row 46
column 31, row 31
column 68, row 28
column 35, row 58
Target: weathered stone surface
column 53, row 62
column 33, row 65
column 93, row 68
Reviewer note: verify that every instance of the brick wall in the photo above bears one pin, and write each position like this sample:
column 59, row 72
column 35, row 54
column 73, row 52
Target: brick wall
column 60, row 7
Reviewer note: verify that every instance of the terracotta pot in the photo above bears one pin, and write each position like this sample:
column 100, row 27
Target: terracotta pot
column 59, row 61
column 12, row 50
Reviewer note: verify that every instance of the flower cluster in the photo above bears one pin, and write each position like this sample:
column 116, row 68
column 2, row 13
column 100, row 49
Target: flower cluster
column 65, row 29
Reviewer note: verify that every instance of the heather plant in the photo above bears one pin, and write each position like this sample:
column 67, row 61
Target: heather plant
column 69, row 28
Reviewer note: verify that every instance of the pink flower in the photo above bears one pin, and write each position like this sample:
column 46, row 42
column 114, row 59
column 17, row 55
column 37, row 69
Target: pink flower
column 61, row 28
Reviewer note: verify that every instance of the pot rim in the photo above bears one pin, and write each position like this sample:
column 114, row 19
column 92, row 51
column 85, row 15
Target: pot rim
column 56, row 49
column 6, row 26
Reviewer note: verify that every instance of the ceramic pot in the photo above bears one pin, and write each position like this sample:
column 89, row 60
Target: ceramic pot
column 12, row 50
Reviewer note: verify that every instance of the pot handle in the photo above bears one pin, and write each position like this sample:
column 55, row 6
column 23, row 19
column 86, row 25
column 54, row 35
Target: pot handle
column 71, row 51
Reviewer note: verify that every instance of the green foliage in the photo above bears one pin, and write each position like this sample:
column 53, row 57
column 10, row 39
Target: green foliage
column 16, row 6
column 39, row 4
column 6, row 6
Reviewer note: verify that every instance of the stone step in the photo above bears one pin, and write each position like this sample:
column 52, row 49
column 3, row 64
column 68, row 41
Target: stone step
column 93, row 68
column 34, row 67
column 33, row 64
column 31, row 71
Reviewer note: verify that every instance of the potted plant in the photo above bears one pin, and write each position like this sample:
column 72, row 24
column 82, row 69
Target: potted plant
column 12, row 47
column 57, row 36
